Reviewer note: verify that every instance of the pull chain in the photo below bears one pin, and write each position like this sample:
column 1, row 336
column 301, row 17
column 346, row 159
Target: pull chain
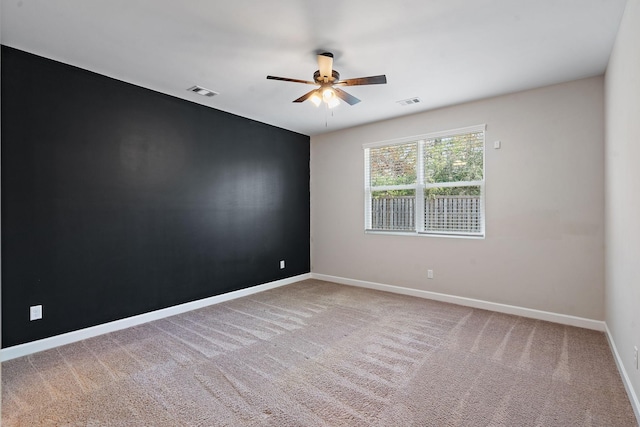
column 326, row 109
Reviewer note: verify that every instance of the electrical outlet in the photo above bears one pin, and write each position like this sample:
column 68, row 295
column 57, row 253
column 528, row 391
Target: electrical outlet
column 35, row 312
column 429, row 274
column 281, row 264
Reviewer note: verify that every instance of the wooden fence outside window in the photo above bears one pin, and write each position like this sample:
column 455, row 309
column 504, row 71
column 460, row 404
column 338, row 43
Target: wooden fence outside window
column 442, row 214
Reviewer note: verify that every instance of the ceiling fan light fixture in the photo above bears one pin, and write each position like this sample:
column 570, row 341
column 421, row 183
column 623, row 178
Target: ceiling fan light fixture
column 328, row 94
column 316, row 99
column 333, row 102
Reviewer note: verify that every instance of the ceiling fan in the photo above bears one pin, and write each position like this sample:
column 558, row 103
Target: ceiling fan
column 328, row 78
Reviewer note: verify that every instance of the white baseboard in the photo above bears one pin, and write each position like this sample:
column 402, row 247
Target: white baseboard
column 70, row 337
column 633, row 397
column 470, row 302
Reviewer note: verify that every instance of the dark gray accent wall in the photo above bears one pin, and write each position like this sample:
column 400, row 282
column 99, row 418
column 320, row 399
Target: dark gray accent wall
column 118, row 200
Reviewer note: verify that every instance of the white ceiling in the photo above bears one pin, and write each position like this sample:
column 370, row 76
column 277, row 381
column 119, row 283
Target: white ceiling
column 442, row 51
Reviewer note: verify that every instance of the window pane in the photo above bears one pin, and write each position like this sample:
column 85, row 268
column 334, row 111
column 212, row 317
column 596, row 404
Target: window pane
column 453, row 209
column 393, row 210
column 454, row 158
column 393, row 165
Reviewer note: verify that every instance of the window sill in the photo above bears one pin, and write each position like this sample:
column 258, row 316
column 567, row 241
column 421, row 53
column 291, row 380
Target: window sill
column 414, row 234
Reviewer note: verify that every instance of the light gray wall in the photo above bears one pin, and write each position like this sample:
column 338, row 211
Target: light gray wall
column 544, row 246
column 622, row 180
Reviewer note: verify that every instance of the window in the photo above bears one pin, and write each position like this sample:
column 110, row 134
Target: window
column 430, row 184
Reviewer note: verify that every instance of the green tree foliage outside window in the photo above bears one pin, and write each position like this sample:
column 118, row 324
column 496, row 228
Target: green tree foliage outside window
column 457, row 158
column 394, row 165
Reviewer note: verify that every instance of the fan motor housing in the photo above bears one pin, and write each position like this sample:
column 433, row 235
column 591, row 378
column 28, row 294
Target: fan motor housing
column 335, row 76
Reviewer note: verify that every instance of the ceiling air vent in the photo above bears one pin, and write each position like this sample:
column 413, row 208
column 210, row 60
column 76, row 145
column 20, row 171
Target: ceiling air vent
column 409, row 101
column 202, row 91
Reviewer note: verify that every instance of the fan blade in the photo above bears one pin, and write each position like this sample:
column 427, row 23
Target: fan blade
column 306, row 96
column 285, row 79
column 325, row 64
column 373, row 80
column 349, row 99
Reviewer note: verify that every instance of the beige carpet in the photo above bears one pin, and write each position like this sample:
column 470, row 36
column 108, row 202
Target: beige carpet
column 320, row 354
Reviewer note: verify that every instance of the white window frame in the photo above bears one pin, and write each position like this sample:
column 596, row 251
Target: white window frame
column 420, row 186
